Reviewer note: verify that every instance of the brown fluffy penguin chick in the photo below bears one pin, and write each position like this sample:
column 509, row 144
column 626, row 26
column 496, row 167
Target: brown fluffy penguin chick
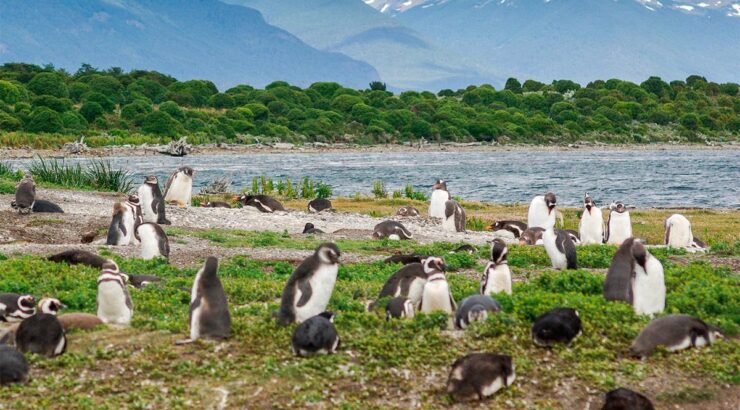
column 625, row 399
column 83, row 321
column 480, row 375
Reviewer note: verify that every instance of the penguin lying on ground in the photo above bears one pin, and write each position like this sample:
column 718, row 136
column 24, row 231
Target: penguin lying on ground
column 475, row 308
column 209, row 308
column 559, row 325
column 311, row 229
column 13, row 366
column 674, row 332
column 42, row 334
column 399, row 308
column 469, row 249
column 532, row 236
column 152, row 201
column 625, row 399
column 42, row 206
column 480, row 375
column 216, row 204
column 392, row 230
column 83, row 321
column 78, row 256
column 404, row 259
column 319, row 205
column 262, row 203
column 407, row 211
column 179, row 187
column 139, row 281
column 15, row 307
column 25, row 195
column 515, row 227
column 317, row 335
column 496, row 275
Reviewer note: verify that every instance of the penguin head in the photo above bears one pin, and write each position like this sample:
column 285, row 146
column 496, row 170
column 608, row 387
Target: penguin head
column 639, row 252
column 110, row 266
column 151, row 180
column 403, row 211
column 328, row 315
column 715, row 333
column 477, row 313
column 550, row 201
column 434, row 265
column 27, row 302
column 134, row 199
column 28, row 177
column 51, row 306
column 588, row 202
column 617, row 207
column 187, row 171
column 308, row 227
column 498, row 250
column 328, row 253
column 440, row 184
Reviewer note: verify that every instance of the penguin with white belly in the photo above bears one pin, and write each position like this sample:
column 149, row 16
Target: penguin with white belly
column 475, row 308
column 648, row 286
column 436, row 295
column 407, row 282
column 179, row 187
column 399, row 308
column 515, row 227
column 480, row 375
column 675, row 332
column 619, row 225
column 118, row 231
column 454, row 219
column 678, row 232
column 392, row 230
column 439, row 198
column 559, row 246
column 497, row 276
column 320, row 205
column 154, row 241
column 15, row 307
column 209, row 309
column 541, row 210
column 42, row 334
column 114, row 301
column 134, row 206
column 152, row 201
column 618, row 282
column 591, row 228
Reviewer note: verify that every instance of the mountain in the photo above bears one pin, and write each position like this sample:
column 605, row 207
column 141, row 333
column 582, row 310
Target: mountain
column 203, row 39
column 404, row 58
column 583, row 40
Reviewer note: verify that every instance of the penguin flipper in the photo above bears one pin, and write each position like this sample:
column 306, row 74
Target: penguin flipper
column 452, row 303
column 305, row 287
column 667, row 234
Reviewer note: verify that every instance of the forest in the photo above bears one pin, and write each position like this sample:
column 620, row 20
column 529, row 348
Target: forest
column 44, row 107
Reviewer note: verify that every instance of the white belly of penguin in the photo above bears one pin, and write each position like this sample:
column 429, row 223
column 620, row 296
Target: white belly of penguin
column 322, row 286
column 557, row 258
column 649, row 289
column 436, row 297
column 592, row 227
column 180, row 190
column 112, row 304
column 620, row 228
column 146, row 198
column 449, row 224
column 128, row 223
column 149, row 242
column 416, row 289
column 497, row 385
column 680, row 236
column 499, row 280
column 437, row 203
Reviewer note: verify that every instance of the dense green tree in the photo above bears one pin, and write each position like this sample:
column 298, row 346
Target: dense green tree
column 59, row 105
column 9, row 92
column 220, row 101
column 91, row 110
column 9, row 122
column 532, row 86
column 45, row 119
column 690, row 121
column 74, row 121
column 95, row 97
column 377, row 86
column 49, row 84
column 174, row 110
column 160, row 123
column 513, row 85
column 135, row 110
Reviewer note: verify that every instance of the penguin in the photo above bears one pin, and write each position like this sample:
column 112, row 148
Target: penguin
column 515, row 227
column 50, row 306
column 44, row 206
column 674, row 332
column 154, row 242
column 152, row 202
column 625, row 399
column 436, row 295
column 618, row 226
column 648, row 283
column 179, row 187
column 407, row 282
column 217, row 204
column 42, row 334
column 532, row 236
column 559, row 325
column 84, row 321
column 316, row 335
column 13, row 366
column 541, row 210
column 262, row 203
column 114, row 302
column 678, row 232
column 698, row 243
column 407, row 211
column 392, row 230
column 118, row 231
column 560, row 247
column 399, row 308
column 454, row 219
column 574, row 236
column 404, row 259
column 78, row 257
column 496, row 276
column 309, row 288
column 319, row 205
column 25, row 194
column 209, row 308
column 480, row 375
column 475, row 308
column 439, row 198
column 133, row 217
column 16, row 307
column 591, row 227
column 139, row 281
column 311, row 229
column 465, row 248
column 618, row 282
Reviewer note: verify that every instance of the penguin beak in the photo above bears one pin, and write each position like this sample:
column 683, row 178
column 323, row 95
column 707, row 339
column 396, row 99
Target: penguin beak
column 62, row 306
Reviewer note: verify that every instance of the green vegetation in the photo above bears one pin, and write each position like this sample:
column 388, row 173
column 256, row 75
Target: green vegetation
column 286, row 189
column 98, row 176
column 43, row 107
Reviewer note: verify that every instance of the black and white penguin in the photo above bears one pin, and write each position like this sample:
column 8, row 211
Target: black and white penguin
column 407, row 282
column 118, row 231
column 497, row 276
column 619, row 225
column 42, row 334
column 209, row 308
column 25, row 194
column 133, row 203
column 140, row 281
column 154, row 241
column 407, row 211
column 480, row 375
column 311, row 229
column 475, row 308
column 436, row 295
column 678, row 232
column 618, row 282
column 319, row 205
column 532, row 236
column 674, row 332
column 454, row 219
column 648, row 282
column 316, row 335
column 404, row 259
column 393, row 230
column 152, row 201
column 399, row 308
column 559, row 246
column 217, row 204
column 439, row 198
column 44, row 206
column 179, row 187
column 50, row 306
column 574, row 236
column 465, row 248
column 591, row 227
column 625, row 399
column 515, row 227
column 16, row 307
column 559, row 325
column 114, row 301
column 79, row 257
column 262, row 203
column 541, row 211
column 309, row 288
column 13, row 366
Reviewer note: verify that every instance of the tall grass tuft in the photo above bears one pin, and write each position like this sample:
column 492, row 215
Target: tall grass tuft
column 99, row 175
column 379, row 190
column 306, row 189
column 411, row 194
column 103, row 177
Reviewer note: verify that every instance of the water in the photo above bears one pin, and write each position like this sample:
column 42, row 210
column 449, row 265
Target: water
column 644, row 178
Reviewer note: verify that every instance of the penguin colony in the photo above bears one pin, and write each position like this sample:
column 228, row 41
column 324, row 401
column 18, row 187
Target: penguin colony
column 634, row 276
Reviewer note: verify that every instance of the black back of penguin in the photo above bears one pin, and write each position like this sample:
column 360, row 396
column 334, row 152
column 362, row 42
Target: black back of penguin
column 215, row 319
column 13, row 366
column 319, row 205
column 78, row 256
column 396, row 308
column 618, row 282
column 117, row 228
column 625, row 399
column 316, row 335
column 44, row 206
column 41, row 333
column 475, row 307
column 472, row 375
column 559, row 325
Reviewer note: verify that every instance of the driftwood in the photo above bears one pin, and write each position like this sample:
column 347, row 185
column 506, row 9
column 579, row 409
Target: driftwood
column 178, row 148
column 75, row 147
column 217, row 187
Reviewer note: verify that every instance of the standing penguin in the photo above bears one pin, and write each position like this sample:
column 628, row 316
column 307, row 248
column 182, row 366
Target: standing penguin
column 541, row 210
column 209, row 309
column 454, row 219
column 407, row 282
column 319, row 205
column 134, row 207
column 591, row 228
column 678, row 232
column 619, row 225
column 559, row 325
column 179, row 187
column 475, row 308
column 675, row 332
column 392, row 230
column 559, row 246
column 152, row 202
column 25, row 194
column 118, row 232
column 15, row 308
column 154, row 241
column 439, row 198
column 317, row 335
column 114, row 301
column 618, row 282
column 309, row 288
column 479, row 375
column 625, row 399
column 13, row 366
column 436, row 295
column 41, row 333
column 399, row 308
column 648, row 286
column 497, row 276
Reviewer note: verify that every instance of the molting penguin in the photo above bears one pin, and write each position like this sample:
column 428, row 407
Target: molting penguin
column 618, row 282
column 407, row 211
column 619, row 225
column 625, row 399
column 13, row 366
column 179, row 187
column 515, row 227
column 399, row 308
column 44, row 206
column 541, row 210
column 118, row 231
column 311, row 229
column 574, row 236
column 154, row 241
column 217, row 204
column 559, row 325
column 648, row 284
column 309, row 288
column 114, row 301
column 319, row 205
column 317, row 335
column 532, row 236
column 675, row 332
column 42, row 334
column 16, row 307
column 559, row 246
column 209, row 309
column 454, row 219
column 392, row 230
column 496, row 276
column 591, row 227
column 407, row 282
column 78, row 257
column 152, row 202
column 678, row 232
column 475, row 308
column 480, row 375
column 440, row 196
column 25, row 194
column 436, row 295
column 262, row 203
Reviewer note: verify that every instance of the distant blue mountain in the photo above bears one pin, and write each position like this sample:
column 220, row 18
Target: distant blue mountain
column 203, row 39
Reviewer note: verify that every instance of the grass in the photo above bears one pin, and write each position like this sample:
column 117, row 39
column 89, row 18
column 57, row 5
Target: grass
column 99, row 175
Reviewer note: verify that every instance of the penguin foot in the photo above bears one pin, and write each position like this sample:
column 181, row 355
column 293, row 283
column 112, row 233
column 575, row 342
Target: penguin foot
column 184, row 341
